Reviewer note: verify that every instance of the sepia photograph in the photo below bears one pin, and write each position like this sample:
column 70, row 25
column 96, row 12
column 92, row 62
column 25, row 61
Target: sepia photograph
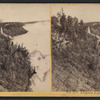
column 75, row 33
column 24, row 48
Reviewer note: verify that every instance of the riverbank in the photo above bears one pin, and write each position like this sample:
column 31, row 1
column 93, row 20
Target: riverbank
column 37, row 42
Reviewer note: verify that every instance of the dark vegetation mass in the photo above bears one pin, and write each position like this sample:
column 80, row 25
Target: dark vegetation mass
column 75, row 54
column 13, row 28
column 15, row 66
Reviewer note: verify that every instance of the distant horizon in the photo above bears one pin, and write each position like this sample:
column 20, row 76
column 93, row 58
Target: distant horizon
column 24, row 12
column 26, row 21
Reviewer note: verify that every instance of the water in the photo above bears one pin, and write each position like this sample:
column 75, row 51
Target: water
column 37, row 42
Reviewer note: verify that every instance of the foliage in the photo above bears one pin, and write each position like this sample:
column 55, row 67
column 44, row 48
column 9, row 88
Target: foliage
column 73, row 46
column 15, row 68
column 13, row 28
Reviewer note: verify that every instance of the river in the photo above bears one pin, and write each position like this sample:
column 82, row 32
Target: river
column 37, row 42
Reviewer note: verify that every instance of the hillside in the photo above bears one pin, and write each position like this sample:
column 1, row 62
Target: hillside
column 25, row 56
column 13, row 28
column 15, row 67
column 75, row 54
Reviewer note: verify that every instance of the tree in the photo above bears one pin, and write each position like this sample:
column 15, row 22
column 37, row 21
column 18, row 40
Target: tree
column 54, row 21
column 62, row 21
column 81, row 23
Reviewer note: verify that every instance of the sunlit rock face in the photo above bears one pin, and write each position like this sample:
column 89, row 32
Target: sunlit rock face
column 37, row 42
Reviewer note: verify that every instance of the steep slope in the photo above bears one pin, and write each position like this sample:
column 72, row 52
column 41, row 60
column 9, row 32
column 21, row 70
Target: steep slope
column 25, row 56
column 75, row 55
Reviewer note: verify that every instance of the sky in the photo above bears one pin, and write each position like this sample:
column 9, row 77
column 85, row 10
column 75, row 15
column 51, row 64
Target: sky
column 34, row 12
column 86, row 12
column 24, row 12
